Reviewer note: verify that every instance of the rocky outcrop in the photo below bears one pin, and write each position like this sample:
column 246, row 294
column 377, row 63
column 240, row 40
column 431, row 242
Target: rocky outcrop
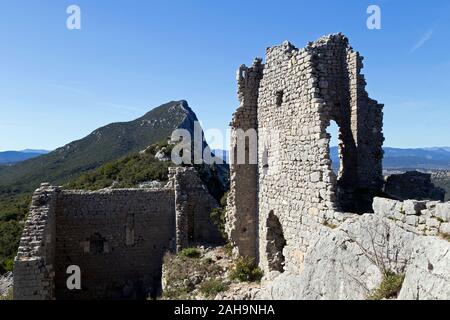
column 6, row 284
column 348, row 262
column 427, row 275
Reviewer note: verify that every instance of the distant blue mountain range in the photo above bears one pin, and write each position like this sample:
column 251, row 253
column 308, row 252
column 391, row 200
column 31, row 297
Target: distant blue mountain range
column 396, row 158
column 10, row 157
column 421, row 158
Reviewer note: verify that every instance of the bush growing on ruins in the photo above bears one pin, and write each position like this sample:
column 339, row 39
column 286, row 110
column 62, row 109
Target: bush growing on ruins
column 192, row 253
column 127, row 172
column 386, row 256
column 218, row 216
column 210, row 288
column 184, row 275
column 245, row 270
column 228, row 249
column 13, row 209
column 389, row 288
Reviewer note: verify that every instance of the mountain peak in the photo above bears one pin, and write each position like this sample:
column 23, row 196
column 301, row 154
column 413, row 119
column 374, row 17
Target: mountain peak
column 103, row 145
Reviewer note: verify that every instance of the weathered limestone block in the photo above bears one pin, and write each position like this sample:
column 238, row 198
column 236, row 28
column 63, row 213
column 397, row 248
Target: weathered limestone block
column 413, row 207
column 386, row 207
column 442, row 211
column 428, row 274
column 445, row 228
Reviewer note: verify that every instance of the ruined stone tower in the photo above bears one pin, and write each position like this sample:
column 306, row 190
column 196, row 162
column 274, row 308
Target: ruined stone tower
column 276, row 201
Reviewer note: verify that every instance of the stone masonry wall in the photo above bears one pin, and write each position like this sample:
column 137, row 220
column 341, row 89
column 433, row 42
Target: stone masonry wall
column 429, row 218
column 35, row 262
column 117, row 238
column 320, row 83
column 243, row 197
column 300, row 93
column 193, row 204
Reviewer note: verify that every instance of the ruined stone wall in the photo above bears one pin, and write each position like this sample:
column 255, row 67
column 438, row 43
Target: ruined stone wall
column 431, row 218
column 294, row 182
column 34, row 266
column 194, row 205
column 243, row 198
column 301, row 91
column 398, row 186
column 117, row 238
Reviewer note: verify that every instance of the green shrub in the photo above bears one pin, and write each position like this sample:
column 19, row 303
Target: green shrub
column 10, row 233
column 218, row 216
column 192, row 253
column 390, row 286
column 210, row 288
column 178, row 275
column 245, row 270
column 127, row 172
column 228, row 248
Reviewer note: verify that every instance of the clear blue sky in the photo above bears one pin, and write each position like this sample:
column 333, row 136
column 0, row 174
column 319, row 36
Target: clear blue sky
column 58, row 85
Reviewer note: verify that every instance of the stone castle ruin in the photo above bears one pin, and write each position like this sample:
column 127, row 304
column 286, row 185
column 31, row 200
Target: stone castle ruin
column 281, row 207
column 116, row 237
column 297, row 93
column 313, row 232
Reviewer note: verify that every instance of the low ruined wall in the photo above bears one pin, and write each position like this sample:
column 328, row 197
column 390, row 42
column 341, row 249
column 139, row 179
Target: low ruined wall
column 34, row 264
column 422, row 217
column 117, row 238
column 399, row 186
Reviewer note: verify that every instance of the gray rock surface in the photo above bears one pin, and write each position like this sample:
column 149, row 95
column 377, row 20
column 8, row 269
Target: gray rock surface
column 346, row 263
column 6, row 283
column 428, row 273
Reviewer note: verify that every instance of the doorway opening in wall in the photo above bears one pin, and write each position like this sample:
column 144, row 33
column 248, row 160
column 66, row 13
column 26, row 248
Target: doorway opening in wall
column 275, row 243
column 335, row 153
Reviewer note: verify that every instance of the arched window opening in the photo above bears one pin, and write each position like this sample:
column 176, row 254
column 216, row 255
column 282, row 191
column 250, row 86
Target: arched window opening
column 275, row 243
